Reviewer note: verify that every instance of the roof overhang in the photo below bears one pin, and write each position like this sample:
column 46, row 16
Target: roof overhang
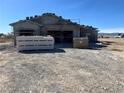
column 22, row 21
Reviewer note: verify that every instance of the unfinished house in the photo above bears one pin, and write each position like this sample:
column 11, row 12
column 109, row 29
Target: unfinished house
column 63, row 30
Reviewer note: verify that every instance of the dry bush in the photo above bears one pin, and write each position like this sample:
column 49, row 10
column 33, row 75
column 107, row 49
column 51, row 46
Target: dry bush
column 4, row 40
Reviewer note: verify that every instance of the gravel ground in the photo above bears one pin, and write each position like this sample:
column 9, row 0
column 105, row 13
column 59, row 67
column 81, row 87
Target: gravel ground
column 61, row 71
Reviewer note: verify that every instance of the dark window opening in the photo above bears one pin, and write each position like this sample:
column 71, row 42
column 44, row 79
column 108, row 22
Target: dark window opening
column 26, row 32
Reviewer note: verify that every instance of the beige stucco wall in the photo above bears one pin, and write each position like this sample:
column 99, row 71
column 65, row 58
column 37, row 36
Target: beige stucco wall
column 75, row 29
column 49, row 23
column 27, row 26
column 45, row 20
column 49, row 20
column 52, row 23
column 76, row 33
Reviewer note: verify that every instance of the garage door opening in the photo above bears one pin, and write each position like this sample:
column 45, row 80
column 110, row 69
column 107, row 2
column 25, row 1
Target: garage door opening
column 62, row 36
column 26, row 32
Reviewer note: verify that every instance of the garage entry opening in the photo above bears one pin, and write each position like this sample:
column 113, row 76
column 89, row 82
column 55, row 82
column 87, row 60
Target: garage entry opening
column 62, row 36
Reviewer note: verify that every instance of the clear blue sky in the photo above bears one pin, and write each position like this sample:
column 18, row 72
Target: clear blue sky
column 107, row 15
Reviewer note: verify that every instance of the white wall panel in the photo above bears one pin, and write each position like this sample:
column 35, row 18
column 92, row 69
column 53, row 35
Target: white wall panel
column 34, row 42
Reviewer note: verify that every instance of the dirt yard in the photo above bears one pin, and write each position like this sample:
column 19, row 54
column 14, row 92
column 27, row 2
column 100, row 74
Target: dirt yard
column 5, row 40
column 65, row 70
column 116, row 45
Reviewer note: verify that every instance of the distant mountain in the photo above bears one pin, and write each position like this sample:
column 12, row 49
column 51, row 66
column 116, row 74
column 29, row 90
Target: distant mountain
column 110, row 34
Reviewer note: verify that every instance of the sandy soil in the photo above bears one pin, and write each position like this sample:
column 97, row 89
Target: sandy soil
column 61, row 71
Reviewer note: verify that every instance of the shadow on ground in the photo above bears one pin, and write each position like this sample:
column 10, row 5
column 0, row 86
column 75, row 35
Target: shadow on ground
column 43, row 51
column 64, row 45
column 99, row 45
column 107, row 42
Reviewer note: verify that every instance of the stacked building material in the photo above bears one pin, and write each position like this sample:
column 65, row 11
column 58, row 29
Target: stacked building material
column 81, row 42
column 34, row 42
